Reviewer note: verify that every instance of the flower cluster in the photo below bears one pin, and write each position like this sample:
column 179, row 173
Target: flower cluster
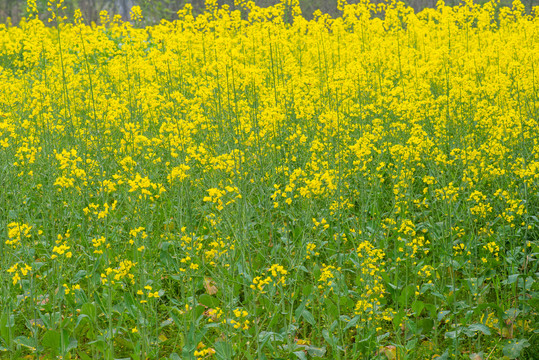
column 275, row 275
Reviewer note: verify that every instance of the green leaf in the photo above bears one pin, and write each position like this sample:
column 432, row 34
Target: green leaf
column 266, row 336
column 330, row 339
column 101, row 305
column 73, row 343
column 199, row 310
column 300, row 355
column 426, row 287
column 441, row 314
column 6, row 321
column 444, row 356
column 78, row 276
column 417, row 307
column 351, row 323
column 192, row 339
column 398, row 318
column 479, row 327
column 511, row 279
column 299, row 310
column 316, row 352
column 432, row 309
column 165, row 323
column 331, row 308
column 511, row 313
column 84, row 356
column 167, row 260
column 526, row 283
column 208, row 300
column 406, row 294
column 25, row 342
column 514, row 347
column 308, row 317
column 426, row 325
column 51, row 340
column 223, row 350
column 89, row 310
column 130, row 304
column 82, row 320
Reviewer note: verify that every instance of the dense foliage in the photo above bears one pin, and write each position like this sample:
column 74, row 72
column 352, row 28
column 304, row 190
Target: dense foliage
column 251, row 185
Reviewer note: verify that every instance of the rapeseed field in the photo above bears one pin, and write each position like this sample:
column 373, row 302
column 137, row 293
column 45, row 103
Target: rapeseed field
column 247, row 184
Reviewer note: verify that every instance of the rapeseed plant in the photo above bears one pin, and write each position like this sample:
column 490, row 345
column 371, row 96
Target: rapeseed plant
column 247, row 183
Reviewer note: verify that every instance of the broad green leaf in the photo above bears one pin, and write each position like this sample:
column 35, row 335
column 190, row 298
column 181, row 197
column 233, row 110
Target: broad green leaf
column 511, row 279
column 51, row 340
column 513, row 348
column 265, row 336
column 308, row 317
column 330, row 339
column 208, row 301
column 526, row 283
column 331, row 308
column 73, row 343
column 299, row 310
column 84, row 356
column 442, row 314
column 25, row 342
column 78, row 276
column 444, row 356
column 316, row 352
column 425, row 325
column 223, row 350
column 89, row 310
column 406, row 294
column 351, row 323
column 6, row 321
column 398, row 318
column 479, row 327
column 417, row 307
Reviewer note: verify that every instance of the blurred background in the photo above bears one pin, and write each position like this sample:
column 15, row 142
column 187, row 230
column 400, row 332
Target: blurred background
column 155, row 10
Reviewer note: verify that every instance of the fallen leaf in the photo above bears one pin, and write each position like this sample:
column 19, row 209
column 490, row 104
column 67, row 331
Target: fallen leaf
column 209, row 285
column 389, row 351
column 475, row 356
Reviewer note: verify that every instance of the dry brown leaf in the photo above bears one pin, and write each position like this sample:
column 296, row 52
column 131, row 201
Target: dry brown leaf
column 476, row 357
column 209, row 285
column 389, row 351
